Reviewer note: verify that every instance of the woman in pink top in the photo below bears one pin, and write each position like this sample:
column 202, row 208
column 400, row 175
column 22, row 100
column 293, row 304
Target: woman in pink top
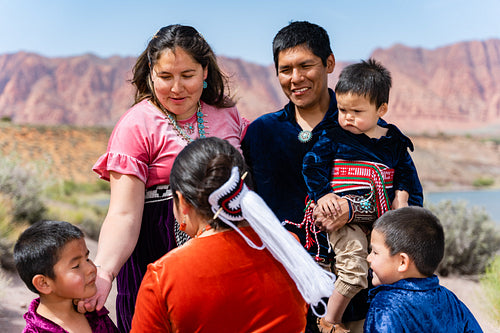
column 179, row 97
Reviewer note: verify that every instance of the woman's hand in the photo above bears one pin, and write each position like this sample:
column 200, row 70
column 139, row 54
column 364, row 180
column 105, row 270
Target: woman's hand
column 103, row 283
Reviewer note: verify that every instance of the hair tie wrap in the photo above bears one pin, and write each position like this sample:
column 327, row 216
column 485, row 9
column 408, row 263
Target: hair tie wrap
column 226, row 200
column 226, row 204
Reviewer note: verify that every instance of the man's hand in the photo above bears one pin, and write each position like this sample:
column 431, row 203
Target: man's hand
column 333, row 222
column 400, row 199
column 329, row 205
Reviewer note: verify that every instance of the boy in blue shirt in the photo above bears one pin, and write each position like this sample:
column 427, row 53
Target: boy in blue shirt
column 407, row 247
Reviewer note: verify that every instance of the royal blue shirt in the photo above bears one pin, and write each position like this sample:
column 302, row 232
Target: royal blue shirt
column 417, row 305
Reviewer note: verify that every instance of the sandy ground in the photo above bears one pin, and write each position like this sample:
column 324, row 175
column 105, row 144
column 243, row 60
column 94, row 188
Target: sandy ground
column 15, row 299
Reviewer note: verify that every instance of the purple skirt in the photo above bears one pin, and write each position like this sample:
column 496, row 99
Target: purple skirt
column 156, row 238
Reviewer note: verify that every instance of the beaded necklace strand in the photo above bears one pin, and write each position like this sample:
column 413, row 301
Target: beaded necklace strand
column 206, row 228
column 180, row 132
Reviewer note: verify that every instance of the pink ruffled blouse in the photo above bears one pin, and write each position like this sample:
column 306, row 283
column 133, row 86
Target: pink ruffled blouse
column 144, row 143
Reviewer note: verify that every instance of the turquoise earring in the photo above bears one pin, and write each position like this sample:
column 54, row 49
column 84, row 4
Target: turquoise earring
column 205, row 84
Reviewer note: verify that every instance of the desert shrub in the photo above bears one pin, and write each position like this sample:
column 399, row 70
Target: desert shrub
column 483, row 182
column 471, row 238
column 64, row 189
column 103, row 186
column 495, row 140
column 87, row 217
column 6, row 209
column 9, row 232
column 6, row 232
column 78, row 203
column 91, row 228
column 490, row 282
column 21, row 183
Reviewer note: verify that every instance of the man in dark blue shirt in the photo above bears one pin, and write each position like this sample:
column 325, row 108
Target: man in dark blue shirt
column 275, row 144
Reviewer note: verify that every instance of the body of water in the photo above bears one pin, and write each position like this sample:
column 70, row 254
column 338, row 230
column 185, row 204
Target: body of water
column 487, row 199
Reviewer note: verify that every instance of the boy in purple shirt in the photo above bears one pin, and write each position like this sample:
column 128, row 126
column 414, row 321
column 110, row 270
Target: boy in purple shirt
column 53, row 261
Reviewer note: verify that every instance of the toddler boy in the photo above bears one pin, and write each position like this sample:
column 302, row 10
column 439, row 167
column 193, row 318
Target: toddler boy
column 366, row 161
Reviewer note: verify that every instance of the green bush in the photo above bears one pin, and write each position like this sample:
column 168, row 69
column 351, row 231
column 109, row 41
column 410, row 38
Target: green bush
column 86, row 216
column 471, row 238
column 495, row 140
column 490, row 282
column 21, row 184
column 483, row 182
column 9, row 232
column 63, row 189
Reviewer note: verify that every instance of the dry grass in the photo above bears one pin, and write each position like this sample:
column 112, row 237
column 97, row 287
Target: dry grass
column 66, row 152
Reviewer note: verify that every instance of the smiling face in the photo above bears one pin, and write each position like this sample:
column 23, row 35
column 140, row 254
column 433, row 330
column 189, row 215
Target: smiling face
column 74, row 272
column 178, row 82
column 304, row 78
column 385, row 267
column 359, row 116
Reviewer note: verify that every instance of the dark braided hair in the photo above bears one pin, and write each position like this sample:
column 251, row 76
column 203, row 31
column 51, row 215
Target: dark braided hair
column 201, row 167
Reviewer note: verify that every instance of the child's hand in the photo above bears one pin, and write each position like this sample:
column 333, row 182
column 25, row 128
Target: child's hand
column 328, row 204
column 400, row 199
column 332, row 223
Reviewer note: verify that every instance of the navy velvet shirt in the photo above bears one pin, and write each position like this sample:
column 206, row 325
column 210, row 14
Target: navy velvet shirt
column 274, row 153
column 390, row 150
column 417, row 305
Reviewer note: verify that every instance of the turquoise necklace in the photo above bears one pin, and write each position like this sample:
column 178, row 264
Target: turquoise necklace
column 180, row 132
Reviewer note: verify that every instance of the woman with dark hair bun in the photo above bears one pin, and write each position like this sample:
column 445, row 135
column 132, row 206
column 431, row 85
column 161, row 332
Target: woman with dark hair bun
column 241, row 271
column 181, row 95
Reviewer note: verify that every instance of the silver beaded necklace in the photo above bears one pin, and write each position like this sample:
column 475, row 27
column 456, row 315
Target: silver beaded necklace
column 180, row 132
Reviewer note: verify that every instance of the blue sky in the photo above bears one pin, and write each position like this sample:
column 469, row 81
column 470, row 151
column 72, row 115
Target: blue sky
column 242, row 29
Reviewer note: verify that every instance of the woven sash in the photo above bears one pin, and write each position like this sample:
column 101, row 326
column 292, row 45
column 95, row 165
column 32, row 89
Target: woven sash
column 158, row 193
column 363, row 175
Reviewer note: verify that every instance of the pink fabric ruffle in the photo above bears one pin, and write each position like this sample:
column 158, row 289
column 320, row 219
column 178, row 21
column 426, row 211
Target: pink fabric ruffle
column 120, row 163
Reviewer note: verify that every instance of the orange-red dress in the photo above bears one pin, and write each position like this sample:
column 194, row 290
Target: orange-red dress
column 219, row 284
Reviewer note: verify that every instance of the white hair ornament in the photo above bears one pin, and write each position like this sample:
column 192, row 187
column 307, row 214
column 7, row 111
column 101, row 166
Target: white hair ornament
column 233, row 201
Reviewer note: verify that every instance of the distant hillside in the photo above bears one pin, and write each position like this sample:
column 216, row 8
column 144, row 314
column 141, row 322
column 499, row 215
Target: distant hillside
column 452, row 88
column 456, row 86
column 68, row 153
